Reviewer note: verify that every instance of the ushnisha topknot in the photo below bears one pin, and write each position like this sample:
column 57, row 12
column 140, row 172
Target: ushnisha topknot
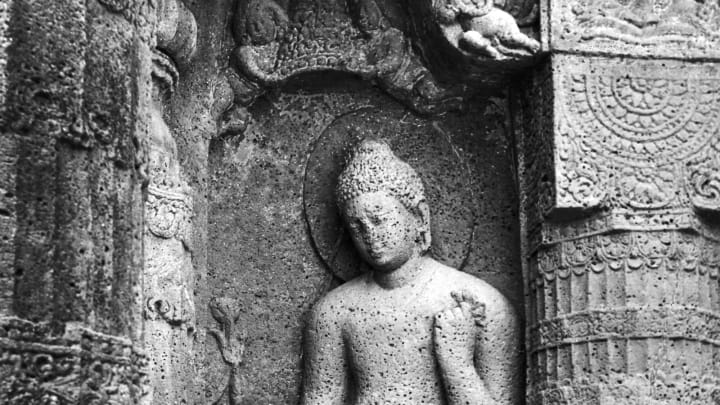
column 374, row 167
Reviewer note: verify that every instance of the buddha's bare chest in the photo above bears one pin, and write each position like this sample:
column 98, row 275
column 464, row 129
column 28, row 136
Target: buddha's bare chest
column 389, row 340
column 391, row 355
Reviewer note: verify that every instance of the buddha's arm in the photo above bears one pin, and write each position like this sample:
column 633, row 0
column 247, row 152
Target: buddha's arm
column 498, row 353
column 479, row 366
column 325, row 368
column 455, row 339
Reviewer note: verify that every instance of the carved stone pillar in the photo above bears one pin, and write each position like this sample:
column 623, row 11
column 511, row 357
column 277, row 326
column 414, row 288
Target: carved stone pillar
column 620, row 182
column 169, row 310
column 71, row 204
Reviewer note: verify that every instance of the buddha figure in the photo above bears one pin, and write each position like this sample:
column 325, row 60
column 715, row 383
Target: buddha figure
column 412, row 330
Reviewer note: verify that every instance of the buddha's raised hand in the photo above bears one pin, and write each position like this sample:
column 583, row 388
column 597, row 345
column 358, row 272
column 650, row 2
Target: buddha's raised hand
column 456, row 330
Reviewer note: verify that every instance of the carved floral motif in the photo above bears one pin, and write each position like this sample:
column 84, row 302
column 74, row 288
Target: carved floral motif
column 611, row 313
column 314, row 36
column 703, row 183
column 633, row 140
column 631, row 251
column 627, row 323
column 168, row 213
column 81, row 367
column 231, row 342
column 660, row 28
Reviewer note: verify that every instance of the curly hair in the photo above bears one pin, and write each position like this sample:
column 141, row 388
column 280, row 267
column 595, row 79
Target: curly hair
column 374, row 167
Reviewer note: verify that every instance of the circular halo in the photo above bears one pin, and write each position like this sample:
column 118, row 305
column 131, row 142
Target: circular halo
column 418, row 142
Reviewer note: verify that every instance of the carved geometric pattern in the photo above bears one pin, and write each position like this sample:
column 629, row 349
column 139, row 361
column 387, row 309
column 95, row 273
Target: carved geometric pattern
column 620, row 219
column 621, row 313
column 633, row 140
column 631, row 323
column 631, row 251
column 80, row 367
column 643, row 120
column 688, row 29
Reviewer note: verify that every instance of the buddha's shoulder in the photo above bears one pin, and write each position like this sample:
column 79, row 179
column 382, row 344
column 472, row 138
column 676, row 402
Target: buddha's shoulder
column 340, row 298
column 456, row 280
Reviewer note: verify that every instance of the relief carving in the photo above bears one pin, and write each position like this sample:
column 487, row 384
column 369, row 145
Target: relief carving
column 410, row 330
column 79, row 367
column 168, row 215
column 276, row 43
column 231, row 343
column 480, row 27
column 619, row 166
column 629, row 252
column 703, row 180
column 168, row 271
column 414, row 140
column 639, row 141
column 659, row 28
column 613, row 314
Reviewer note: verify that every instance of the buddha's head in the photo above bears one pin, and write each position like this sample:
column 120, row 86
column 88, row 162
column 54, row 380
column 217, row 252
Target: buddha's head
column 382, row 202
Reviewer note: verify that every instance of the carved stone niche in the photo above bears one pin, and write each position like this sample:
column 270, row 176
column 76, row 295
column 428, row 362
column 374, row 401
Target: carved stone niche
column 479, row 41
column 301, row 75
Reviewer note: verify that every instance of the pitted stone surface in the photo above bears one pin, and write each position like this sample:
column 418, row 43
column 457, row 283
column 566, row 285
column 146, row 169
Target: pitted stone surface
column 417, row 141
column 409, row 330
column 257, row 187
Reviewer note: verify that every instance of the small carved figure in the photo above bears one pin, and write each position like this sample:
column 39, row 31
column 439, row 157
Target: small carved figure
column 412, row 330
column 487, row 30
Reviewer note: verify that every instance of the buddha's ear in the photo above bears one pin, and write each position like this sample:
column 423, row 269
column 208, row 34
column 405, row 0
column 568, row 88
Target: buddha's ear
column 424, row 229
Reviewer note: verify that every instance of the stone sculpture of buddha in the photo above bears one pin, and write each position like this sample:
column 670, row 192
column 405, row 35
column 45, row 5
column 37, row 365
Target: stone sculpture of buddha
column 412, row 330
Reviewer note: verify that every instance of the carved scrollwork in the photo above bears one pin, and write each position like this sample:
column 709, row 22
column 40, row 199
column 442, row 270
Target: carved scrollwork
column 661, row 28
column 643, row 120
column 175, row 306
column 168, row 214
column 630, row 251
column 703, row 183
column 80, row 367
column 623, row 139
column 277, row 44
column 632, row 323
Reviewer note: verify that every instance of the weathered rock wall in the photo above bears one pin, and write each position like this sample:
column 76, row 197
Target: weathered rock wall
column 261, row 250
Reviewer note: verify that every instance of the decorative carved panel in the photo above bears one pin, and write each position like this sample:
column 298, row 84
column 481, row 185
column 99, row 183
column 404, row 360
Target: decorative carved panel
column 629, row 136
column 678, row 29
column 79, row 367
column 626, row 317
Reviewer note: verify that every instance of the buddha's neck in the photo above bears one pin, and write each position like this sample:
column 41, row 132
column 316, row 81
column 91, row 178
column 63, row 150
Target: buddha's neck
column 402, row 276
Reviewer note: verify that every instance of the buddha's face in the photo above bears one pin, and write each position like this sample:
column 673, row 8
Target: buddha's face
column 383, row 230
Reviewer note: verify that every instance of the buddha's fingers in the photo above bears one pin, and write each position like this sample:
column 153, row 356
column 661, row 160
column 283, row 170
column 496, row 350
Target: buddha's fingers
column 470, row 304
